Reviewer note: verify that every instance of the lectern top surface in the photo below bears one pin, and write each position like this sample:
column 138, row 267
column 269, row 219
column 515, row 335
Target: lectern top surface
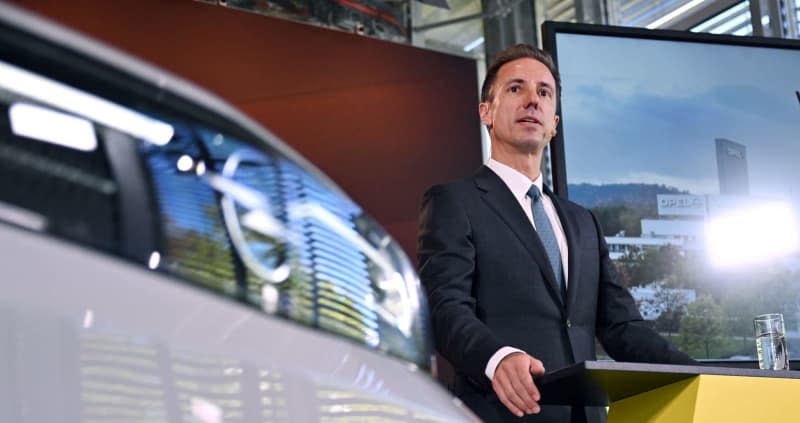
column 601, row 382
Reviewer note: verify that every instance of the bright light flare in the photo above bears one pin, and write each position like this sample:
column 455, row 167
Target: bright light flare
column 205, row 411
column 185, row 163
column 88, row 319
column 154, row 260
column 754, row 235
column 43, row 124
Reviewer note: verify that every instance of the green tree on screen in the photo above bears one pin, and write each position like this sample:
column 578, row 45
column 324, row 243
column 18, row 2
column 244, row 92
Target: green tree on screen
column 672, row 305
column 703, row 326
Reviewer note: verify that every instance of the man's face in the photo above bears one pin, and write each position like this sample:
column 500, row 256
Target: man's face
column 522, row 112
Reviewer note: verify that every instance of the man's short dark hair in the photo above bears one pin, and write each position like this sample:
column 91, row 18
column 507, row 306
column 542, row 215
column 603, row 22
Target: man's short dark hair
column 519, row 51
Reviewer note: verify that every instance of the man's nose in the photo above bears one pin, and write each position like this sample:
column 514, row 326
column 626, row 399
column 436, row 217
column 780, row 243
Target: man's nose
column 532, row 101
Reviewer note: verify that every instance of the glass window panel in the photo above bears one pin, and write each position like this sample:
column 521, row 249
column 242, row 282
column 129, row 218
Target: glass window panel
column 735, row 21
column 560, row 10
column 463, row 37
column 386, row 20
column 797, row 20
column 641, row 13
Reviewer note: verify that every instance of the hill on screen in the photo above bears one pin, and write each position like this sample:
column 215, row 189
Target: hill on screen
column 633, row 195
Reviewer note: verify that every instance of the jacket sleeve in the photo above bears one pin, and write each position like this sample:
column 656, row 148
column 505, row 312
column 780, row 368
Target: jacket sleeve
column 446, row 254
column 620, row 327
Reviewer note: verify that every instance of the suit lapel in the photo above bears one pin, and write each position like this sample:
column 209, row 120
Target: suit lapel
column 500, row 199
column 572, row 232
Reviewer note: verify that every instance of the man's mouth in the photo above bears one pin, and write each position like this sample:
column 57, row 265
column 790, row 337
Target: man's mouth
column 529, row 120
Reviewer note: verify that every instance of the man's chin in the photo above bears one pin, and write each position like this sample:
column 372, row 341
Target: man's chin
column 531, row 145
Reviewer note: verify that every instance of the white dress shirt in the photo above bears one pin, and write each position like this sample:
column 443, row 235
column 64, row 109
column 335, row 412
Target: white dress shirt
column 519, row 184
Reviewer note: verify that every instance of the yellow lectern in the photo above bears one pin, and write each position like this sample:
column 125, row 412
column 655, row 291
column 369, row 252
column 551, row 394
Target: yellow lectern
column 661, row 393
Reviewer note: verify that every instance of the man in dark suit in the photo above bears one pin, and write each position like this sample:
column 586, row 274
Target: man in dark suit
column 520, row 282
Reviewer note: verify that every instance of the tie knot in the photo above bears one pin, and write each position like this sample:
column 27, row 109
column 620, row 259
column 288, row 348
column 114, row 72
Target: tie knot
column 534, row 192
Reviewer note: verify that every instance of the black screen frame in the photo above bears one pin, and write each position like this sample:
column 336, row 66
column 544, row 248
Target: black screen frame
column 550, row 30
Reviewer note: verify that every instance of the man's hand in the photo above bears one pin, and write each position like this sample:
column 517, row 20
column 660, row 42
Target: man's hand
column 513, row 383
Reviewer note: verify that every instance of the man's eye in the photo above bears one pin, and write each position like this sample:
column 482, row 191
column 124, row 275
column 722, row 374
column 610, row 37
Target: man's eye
column 514, row 89
column 544, row 93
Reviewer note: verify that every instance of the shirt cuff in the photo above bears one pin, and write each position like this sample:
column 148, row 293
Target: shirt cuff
column 491, row 366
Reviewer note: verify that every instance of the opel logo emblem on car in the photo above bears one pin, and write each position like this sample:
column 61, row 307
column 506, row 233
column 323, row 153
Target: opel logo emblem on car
column 245, row 209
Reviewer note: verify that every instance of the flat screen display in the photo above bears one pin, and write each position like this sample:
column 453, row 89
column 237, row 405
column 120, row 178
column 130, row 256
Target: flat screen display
column 687, row 149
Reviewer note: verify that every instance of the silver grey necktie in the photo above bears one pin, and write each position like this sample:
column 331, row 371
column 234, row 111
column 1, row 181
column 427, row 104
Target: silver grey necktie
column 546, row 234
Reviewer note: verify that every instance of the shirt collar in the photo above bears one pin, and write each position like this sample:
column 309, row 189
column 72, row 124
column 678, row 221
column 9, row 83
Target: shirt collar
column 516, row 181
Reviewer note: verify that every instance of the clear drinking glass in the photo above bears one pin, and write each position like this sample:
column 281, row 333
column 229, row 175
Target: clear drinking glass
column 771, row 342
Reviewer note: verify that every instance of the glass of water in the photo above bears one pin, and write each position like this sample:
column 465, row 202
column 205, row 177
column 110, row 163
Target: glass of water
column 771, row 342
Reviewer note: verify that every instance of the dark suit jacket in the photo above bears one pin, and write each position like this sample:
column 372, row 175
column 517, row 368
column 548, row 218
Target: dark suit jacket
column 489, row 285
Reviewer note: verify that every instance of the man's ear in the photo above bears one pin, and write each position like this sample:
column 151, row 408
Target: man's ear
column 555, row 126
column 483, row 111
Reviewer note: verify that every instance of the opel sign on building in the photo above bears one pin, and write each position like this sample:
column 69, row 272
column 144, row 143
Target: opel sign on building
column 682, row 205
